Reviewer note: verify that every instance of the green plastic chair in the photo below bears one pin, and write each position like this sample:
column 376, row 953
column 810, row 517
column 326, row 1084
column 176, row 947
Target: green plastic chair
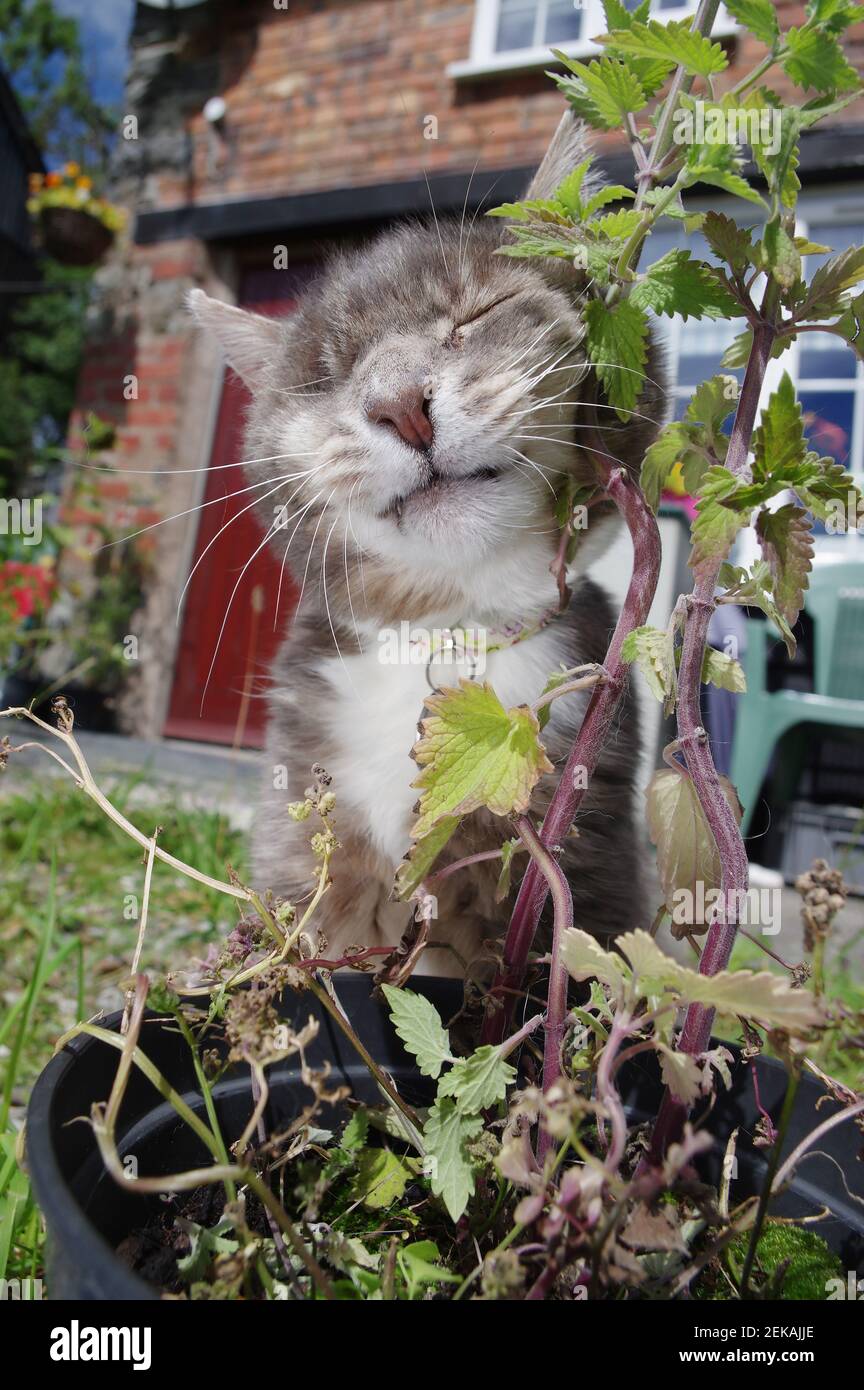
column 835, row 602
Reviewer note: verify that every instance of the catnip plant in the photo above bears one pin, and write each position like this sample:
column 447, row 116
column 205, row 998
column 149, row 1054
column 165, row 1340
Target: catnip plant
column 550, row 1179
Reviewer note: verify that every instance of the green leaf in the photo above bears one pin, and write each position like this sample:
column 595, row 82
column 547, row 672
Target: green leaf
column 678, row 285
column 686, row 852
column 786, row 540
column 617, row 226
column 619, row 17
column 728, row 241
column 766, row 997
column 508, row 850
column 660, row 458
column 419, row 1265
column 652, row 650
column 603, row 92
column 722, row 670
column 674, row 44
column 422, row 855
column 532, row 210
column 715, row 526
column 419, row 1025
column 611, row 193
column 753, row 590
column 815, row 61
column 778, row 442
column 569, row 191
column 617, row 346
column 835, row 15
column 712, row 403
column 475, row 753
column 381, row 1179
column 850, row 325
column 354, row 1134
column 586, row 959
column 778, row 254
column 205, row 1243
column 478, row 1081
column 446, row 1134
column 759, row 16
column 841, row 273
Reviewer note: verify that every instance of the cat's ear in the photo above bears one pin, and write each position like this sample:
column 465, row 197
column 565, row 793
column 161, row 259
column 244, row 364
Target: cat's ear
column 569, row 146
column 248, row 341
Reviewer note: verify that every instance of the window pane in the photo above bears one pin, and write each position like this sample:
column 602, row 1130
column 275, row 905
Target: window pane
column 828, row 422
column 700, row 348
column 824, row 355
column 516, row 22
column 838, row 236
column 563, row 21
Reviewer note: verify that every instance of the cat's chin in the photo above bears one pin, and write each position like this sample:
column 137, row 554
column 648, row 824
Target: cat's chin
column 444, row 503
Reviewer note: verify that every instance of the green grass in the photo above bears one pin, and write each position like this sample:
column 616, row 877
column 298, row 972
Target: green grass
column 70, row 895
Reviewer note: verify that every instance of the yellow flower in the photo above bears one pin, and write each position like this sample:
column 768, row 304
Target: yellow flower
column 83, row 182
column 72, row 169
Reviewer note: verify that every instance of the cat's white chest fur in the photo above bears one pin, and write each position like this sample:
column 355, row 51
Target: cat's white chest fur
column 373, row 723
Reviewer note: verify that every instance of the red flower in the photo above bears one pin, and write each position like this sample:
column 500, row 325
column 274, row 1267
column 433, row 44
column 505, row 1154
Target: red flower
column 29, row 586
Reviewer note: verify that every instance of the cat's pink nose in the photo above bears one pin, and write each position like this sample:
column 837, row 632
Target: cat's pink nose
column 408, row 416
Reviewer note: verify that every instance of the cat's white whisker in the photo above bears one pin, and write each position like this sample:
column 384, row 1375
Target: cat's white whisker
column 163, row 521
column 255, row 552
column 300, row 513
column 254, row 503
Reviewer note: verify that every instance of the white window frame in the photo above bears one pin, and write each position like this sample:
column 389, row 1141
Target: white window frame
column 484, row 61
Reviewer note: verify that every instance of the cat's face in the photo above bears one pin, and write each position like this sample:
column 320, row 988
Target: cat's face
column 424, row 401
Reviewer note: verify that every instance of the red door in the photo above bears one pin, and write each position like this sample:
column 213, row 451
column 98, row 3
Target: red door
column 230, row 627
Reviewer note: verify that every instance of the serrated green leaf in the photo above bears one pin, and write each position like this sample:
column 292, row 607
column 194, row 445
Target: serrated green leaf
column 205, row 1243
column 815, row 61
column 354, row 1134
column 715, row 526
column 759, row 16
column 604, row 91
column 586, row 959
column 617, row 226
column 728, row 241
column 722, row 670
column 850, row 325
column 712, row 403
column 778, row 442
column 619, row 17
column 777, row 253
column 766, row 997
column 835, row 15
column 678, row 285
column 569, row 191
column 478, row 1081
column 786, row 541
column 652, row 650
column 660, row 458
column 682, row 1074
column 611, row 193
column 753, row 590
column 842, row 272
column 617, row 346
column 445, row 1135
column 675, row 43
column 419, row 1025
column 381, row 1179
column 686, row 853
column 475, row 753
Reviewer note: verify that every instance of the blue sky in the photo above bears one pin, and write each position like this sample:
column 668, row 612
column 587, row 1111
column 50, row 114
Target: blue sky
column 104, row 28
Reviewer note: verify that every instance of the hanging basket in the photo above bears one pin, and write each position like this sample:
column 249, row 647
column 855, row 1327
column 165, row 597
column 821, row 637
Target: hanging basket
column 74, row 237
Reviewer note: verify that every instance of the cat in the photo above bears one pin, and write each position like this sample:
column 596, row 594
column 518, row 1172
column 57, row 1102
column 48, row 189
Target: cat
column 424, row 399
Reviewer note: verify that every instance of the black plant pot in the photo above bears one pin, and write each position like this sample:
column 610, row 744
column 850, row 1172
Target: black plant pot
column 88, row 1214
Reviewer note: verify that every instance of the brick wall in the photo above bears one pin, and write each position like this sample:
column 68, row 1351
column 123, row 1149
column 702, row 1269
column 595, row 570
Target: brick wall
column 321, row 95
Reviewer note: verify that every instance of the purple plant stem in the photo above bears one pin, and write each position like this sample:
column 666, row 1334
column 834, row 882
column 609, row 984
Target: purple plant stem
column 586, row 750
column 696, row 1032
column 554, row 1024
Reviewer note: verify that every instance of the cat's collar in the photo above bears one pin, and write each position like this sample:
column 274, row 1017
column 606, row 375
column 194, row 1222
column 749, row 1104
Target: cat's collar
column 464, row 642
